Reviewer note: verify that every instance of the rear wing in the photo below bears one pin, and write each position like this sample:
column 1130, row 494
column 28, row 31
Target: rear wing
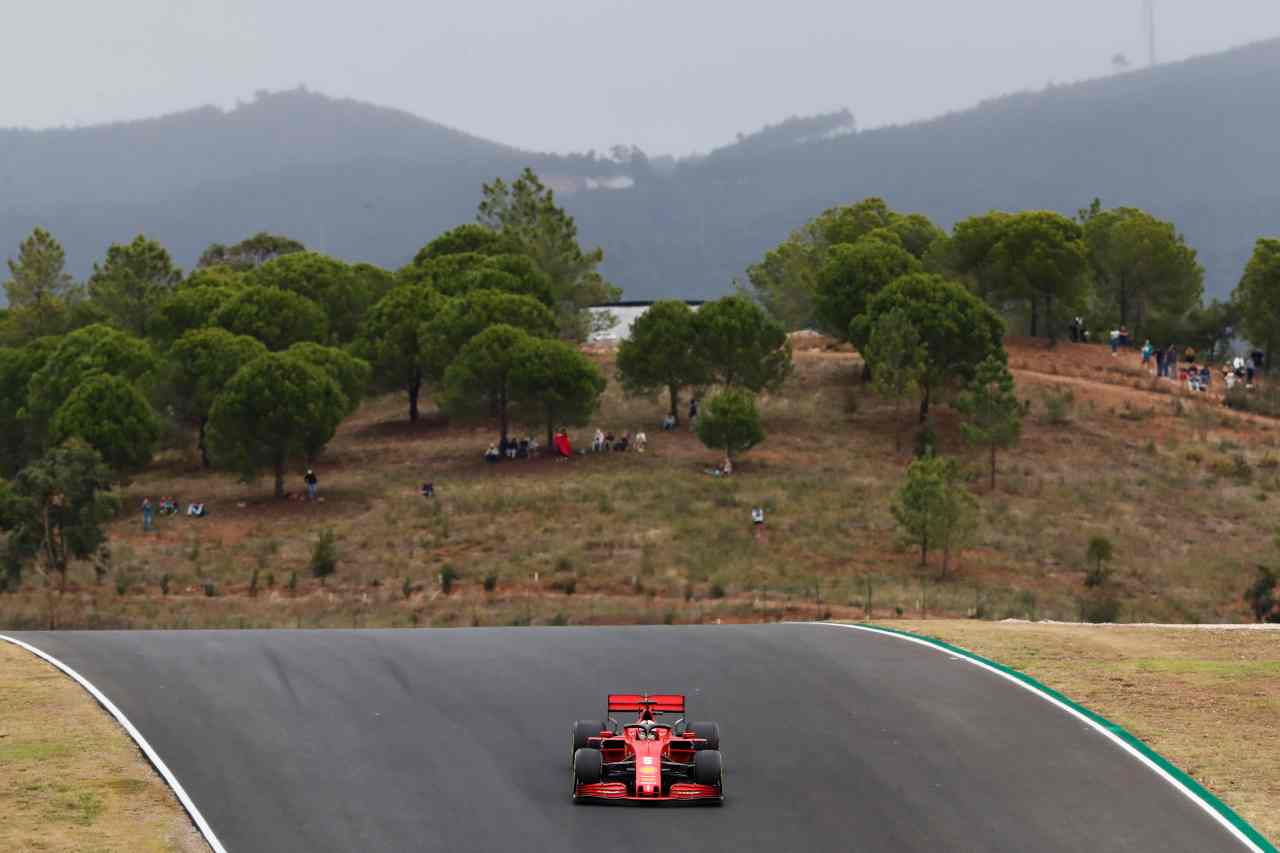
column 657, row 703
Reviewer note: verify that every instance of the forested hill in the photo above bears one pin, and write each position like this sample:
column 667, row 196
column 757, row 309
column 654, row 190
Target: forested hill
column 1197, row 142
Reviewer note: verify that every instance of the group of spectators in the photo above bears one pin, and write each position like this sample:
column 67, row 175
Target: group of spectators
column 511, row 448
column 1198, row 376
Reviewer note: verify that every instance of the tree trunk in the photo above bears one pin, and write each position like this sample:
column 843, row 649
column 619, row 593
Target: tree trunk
column 866, row 371
column 924, row 550
column 280, row 475
column 551, row 423
column 946, row 555
column 1124, row 302
column 204, row 447
column 1048, row 321
column 993, row 467
column 415, row 388
column 924, row 406
column 503, row 423
column 673, row 391
column 897, row 424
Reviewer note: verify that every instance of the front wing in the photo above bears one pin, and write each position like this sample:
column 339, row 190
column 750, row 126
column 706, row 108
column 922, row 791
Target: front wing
column 677, row 793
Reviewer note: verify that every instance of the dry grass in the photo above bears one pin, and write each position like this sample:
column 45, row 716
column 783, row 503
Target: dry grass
column 1207, row 699
column 1181, row 489
column 70, row 779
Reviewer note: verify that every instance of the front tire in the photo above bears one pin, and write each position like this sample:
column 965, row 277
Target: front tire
column 584, row 730
column 708, row 768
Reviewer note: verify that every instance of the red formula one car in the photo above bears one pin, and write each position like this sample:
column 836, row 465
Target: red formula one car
column 647, row 761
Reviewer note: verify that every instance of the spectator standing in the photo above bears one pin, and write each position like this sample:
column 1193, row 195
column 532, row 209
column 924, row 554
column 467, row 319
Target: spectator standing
column 1146, row 354
column 1115, row 341
column 1160, row 363
column 693, row 412
column 148, row 513
column 312, row 483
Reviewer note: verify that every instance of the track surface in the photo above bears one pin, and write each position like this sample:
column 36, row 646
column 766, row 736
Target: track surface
column 458, row 740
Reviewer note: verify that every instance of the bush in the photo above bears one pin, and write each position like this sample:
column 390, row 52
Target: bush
column 490, row 583
column 1098, row 553
column 253, row 584
column 164, row 584
column 1099, row 610
column 1058, row 406
column 717, row 590
column 1235, row 467
column 1261, row 596
column 292, row 585
column 566, row 585
column 122, row 583
column 448, row 576
column 1269, row 462
column 406, row 588
column 210, row 590
column 324, row 556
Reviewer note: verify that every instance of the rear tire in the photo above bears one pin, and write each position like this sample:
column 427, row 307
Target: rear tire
column 588, row 766
column 710, row 732
column 582, row 731
column 708, row 768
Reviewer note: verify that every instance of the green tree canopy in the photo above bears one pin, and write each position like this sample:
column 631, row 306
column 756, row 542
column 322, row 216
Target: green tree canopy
column 479, row 379
column 956, row 328
column 352, row 374
column 742, row 345
column 39, row 286
column 275, row 409
column 896, row 358
column 278, row 318
column 1041, row 260
column 730, row 422
column 391, row 339
column 661, row 353
column 110, row 415
column 132, row 281
column 969, row 254
column 222, row 277
column 460, row 274
column 247, row 254
column 852, row 274
column 459, row 320
column 468, row 238
column 93, row 349
column 56, row 509
column 1258, row 295
column 786, row 281
column 525, row 214
column 17, row 366
column 328, row 283
column 199, row 365
column 933, row 509
column 559, row 383
column 1142, row 266
column 994, row 413
column 185, row 309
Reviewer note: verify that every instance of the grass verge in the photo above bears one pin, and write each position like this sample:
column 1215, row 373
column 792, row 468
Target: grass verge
column 70, row 778
column 1204, row 698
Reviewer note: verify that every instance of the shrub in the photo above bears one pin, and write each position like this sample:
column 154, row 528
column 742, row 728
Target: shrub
column 210, row 589
column 566, row 585
column 717, row 590
column 122, row 583
column 1058, row 406
column 490, row 583
column 559, row 620
column 164, row 584
column 1098, row 553
column 271, row 580
column 292, row 585
column 1269, row 462
column 1261, row 596
column 1100, row 609
column 1193, row 455
column 406, row 588
column 253, row 584
column 448, row 576
column 324, row 556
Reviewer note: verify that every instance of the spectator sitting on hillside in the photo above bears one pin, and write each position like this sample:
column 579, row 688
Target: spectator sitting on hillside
column 1229, row 378
column 597, row 443
column 642, row 441
column 196, row 510
column 533, row 447
column 522, row 451
column 1237, row 365
column 608, row 440
column 669, row 422
column 492, row 454
column 428, row 490
column 1189, row 355
column 623, row 444
column 1206, row 377
column 1193, row 378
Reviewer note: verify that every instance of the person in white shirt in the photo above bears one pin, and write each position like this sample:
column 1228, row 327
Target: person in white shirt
column 757, row 515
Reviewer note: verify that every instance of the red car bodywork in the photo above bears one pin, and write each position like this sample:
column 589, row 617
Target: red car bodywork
column 621, row 748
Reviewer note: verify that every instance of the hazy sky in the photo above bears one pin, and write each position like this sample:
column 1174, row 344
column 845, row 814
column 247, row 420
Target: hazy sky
column 672, row 76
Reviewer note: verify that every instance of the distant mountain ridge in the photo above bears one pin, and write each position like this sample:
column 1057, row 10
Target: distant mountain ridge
column 1197, row 142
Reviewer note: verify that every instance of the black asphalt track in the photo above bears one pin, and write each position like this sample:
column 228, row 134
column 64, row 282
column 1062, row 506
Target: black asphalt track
column 834, row 739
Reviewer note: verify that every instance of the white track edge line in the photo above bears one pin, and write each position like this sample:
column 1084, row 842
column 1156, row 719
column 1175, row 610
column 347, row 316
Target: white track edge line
column 152, row 755
column 1110, row 735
